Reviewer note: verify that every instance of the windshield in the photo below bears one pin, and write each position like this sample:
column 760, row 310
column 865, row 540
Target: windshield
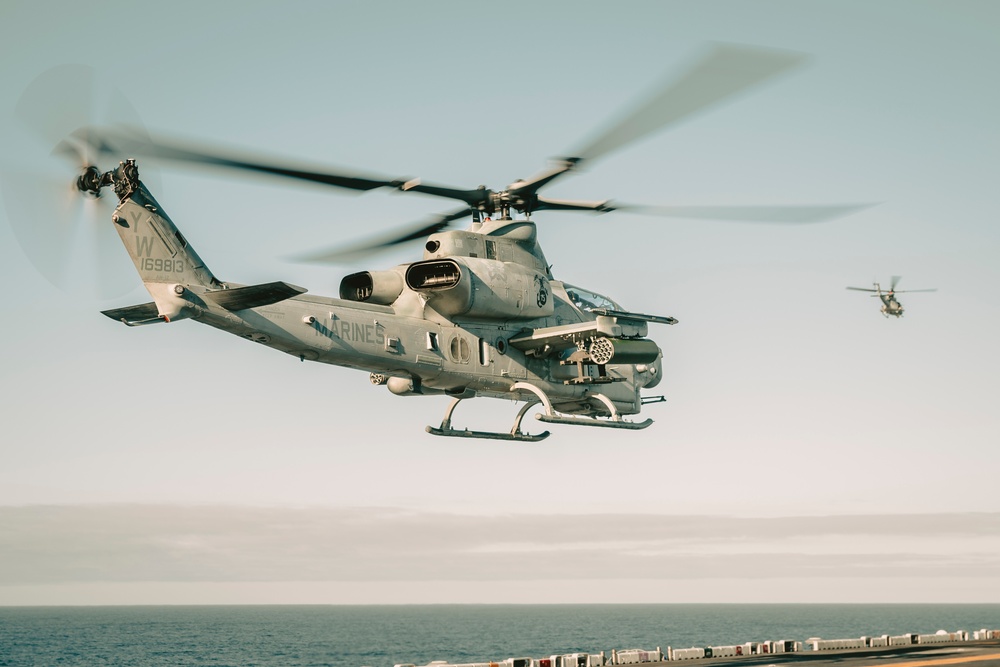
column 587, row 300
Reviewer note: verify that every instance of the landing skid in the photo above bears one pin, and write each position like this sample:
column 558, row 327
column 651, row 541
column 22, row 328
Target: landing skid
column 515, row 432
column 594, row 421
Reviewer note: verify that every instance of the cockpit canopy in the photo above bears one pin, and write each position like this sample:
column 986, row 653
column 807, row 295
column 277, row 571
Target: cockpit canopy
column 587, row 300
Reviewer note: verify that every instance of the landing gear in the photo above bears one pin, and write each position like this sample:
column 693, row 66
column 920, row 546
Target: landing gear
column 515, row 431
column 550, row 416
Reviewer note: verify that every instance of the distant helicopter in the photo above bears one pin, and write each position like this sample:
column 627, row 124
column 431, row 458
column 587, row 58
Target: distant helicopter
column 890, row 304
column 480, row 315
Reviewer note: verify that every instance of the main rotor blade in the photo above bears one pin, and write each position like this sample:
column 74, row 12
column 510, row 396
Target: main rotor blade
column 471, row 197
column 124, row 143
column 895, row 281
column 544, row 203
column 725, row 71
column 863, row 289
column 342, row 254
column 536, row 182
column 780, row 214
column 905, row 291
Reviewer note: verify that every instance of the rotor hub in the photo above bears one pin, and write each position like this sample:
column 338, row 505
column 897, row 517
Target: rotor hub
column 90, row 181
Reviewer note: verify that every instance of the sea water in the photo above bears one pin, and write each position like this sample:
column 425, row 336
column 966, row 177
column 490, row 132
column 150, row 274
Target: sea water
column 380, row 636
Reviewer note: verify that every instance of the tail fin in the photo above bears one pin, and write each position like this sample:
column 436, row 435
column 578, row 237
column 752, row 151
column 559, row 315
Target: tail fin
column 165, row 261
column 169, row 267
column 160, row 253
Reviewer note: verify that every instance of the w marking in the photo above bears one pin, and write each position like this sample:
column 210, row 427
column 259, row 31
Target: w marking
column 144, row 245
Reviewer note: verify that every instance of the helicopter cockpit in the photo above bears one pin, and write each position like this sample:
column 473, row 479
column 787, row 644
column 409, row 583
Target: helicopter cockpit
column 587, row 301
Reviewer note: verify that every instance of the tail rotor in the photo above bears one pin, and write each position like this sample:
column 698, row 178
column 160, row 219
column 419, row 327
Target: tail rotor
column 67, row 233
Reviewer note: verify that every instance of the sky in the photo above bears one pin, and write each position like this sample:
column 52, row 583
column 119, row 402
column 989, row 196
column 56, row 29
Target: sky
column 810, row 450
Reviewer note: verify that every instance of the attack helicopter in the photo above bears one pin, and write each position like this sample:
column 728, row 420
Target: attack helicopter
column 890, row 304
column 480, row 314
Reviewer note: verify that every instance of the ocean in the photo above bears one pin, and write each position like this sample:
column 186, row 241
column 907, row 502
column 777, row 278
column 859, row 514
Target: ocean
column 380, row 636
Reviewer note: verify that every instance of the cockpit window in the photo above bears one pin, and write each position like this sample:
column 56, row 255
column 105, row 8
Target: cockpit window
column 587, row 300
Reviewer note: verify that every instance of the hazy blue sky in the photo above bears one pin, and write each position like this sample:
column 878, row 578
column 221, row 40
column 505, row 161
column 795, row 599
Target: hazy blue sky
column 178, row 464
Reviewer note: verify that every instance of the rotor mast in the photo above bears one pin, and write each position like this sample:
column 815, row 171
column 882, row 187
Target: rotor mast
column 521, row 196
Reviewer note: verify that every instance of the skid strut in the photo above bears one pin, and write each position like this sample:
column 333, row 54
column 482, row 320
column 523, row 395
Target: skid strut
column 515, row 432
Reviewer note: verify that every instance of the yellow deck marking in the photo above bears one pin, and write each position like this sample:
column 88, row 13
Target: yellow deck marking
column 943, row 661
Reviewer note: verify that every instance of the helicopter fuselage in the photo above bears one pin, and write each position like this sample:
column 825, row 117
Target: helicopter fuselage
column 480, row 315
column 890, row 305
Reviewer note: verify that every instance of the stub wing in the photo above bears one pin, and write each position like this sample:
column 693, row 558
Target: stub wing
column 609, row 324
column 637, row 317
column 557, row 338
